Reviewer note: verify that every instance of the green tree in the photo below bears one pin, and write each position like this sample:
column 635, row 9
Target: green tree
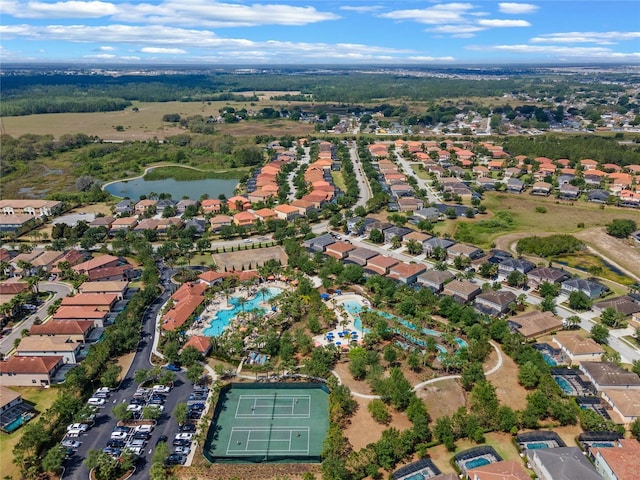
column 376, row 236
column 443, row 431
column 472, row 373
column 579, row 300
column 180, row 413
column 151, row 412
column 600, row 333
column 548, row 304
column 612, row 318
column 379, row 411
column 53, row 460
column 529, row 375
column 121, row 413
column 549, row 289
column 195, row 372
column 621, row 228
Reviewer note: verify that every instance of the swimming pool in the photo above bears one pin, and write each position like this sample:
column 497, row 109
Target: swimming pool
column 221, row 320
column 476, row 462
column 564, row 384
column 536, row 445
column 602, row 445
column 549, row 360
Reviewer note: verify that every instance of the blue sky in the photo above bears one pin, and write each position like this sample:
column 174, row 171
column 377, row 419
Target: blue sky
column 265, row 32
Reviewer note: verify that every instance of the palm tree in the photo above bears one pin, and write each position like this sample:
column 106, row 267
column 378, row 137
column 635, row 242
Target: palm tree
column 242, row 301
column 263, row 291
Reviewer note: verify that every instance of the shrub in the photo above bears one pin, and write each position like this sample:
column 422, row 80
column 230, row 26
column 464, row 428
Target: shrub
column 379, row 411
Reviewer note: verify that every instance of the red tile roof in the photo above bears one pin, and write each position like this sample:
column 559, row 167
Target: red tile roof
column 200, row 343
column 29, row 365
column 62, row 327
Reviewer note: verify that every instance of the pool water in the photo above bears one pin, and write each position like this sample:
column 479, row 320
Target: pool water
column 223, row 317
column 602, row 445
column 476, row 462
column 415, row 476
column 564, row 385
column 536, row 445
column 549, row 360
column 14, row 425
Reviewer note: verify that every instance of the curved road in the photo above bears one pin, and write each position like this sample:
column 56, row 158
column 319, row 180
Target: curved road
column 59, row 290
column 420, row 385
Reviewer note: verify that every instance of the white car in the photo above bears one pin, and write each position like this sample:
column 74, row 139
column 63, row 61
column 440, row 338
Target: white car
column 134, row 408
column 68, row 443
column 136, row 444
column 74, row 433
column 103, row 390
column 119, row 435
column 184, row 436
column 161, row 389
column 144, row 428
column 78, row 426
column 138, row 451
column 96, row 402
column 159, row 407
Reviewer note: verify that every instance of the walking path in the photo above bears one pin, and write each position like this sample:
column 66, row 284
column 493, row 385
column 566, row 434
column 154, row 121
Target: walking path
column 420, row 385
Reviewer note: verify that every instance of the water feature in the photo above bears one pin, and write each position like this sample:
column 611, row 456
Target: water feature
column 223, row 317
column 536, row 445
column 476, row 462
column 564, row 384
column 193, row 189
column 549, row 360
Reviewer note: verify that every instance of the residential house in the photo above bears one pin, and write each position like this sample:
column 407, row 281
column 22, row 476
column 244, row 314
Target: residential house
column 360, row 256
column 186, row 300
column 219, row 221
column 211, row 205
column 431, row 214
column 462, row 291
column 540, row 275
column 591, row 288
column 119, row 272
column 487, row 183
column 621, row 462
column 406, row 273
column 393, row 232
column 435, row 279
column 286, row 212
column 625, row 403
column 503, row 470
column 561, row 463
column 238, row 203
column 119, row 287
column 33, row 371
column 211, row 277
column 16, row 223
column 463, row 250
column 33, row 207
column 410, row 204
column 629, row 198
column 541, row 188
column 98, row 317
column 105, row 222
column 319, row 244
column 382, row 226
column 417, row 236
column 143, row 205
column 99, row 301
column 77, row 330
column 8, row 400
column 102, row 261
column 625, row 305
column 535, row 323
column 569, row 192
column 339, row 250
column 125, row 207
column 435, row 242
column 576, row 349
column 123, row 223
column 380, row 264
column 198, row 224
column 50, row 347
column 185, row 203
column 161, row 205
column 594, row 178
column 495, row 302
column 244, row 219
column 598, row 196
column 304, row 206
column 200, row 343
column 515, row 186
column 609, row 376
column 265, row 214
column 509, row 265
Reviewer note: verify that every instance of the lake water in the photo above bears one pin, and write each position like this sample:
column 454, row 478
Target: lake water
column 193, row 189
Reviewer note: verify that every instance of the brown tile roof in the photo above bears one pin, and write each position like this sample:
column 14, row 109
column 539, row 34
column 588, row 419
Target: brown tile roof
column 536, row 323
column 199, row 342
column 90, row 299
column 115, row 286
column 13, row 288
column 97, row 262
column 108, row 272
column 504, row 470
column 338, row 248
column 7, row 396
column 181, row 311
column 79, row 313
column 626, row 401
column 463, row 287
column 382, row 261
column 625, row 461
column 403, row 269
column 47, row 344
column 29, row 365
column 62, row 327
column 576, row 345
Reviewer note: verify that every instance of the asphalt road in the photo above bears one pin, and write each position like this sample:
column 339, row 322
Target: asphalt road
column 363, row 183
column 98, row 436
column 59, row 290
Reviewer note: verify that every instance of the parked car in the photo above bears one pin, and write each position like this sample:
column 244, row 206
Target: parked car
column 136, row 443
column 114, row 452
column 194, row 414
column 122, row 428
column 184, row 436
column 172, row 367
column 116, row 443
column 141, row 436
column 74, row 433
column 162, row 438
column 96, row 402
column 156, row 406
column 137, row 401
column 119, row 435
column 144, row 428
column 141, row 392
column 134, row 408
column 70, row 443
column 188, row 427
column 156, row 401
column 181, row 442
column 103, row 390
column 175, row 459
column 161, row 389
column 183, row 450
column 78, row 426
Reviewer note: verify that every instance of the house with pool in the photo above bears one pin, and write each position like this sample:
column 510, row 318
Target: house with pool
column 578, row 349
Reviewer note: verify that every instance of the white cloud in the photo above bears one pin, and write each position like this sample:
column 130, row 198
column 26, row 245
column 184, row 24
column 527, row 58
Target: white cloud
column 431, row 59
column 441, row 13
column 500, row 23
column 100, row 56
column 70, row 9
column 517, row 8
column 106, row 48
column 556, row 50
column 170, row 51
column 361, row 9
column 605, row 38
column 456, row 29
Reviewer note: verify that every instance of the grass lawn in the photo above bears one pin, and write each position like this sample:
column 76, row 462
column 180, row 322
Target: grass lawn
column 421, row 172
column 338, row 180
column 204, row 259
column 595, row 265
column 43, row 398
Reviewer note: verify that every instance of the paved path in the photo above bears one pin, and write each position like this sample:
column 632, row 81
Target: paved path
column 420, row 385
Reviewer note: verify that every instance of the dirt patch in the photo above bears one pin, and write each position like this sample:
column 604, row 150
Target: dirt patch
column 248, row 259
column 442, row 398
column 620, row 253
column 569, row 434
column 508, row 390
column 125, row 362
column 292, row 471
column 342, row 369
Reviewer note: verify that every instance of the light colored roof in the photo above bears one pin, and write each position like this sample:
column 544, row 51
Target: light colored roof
column 79, row 313
column 464, row 287
column 21, row 203
column 340, row 247
column 504, row 470
column 7, row 396
column 577, row 345
column 286, row 209
column 97, row 262
column 382, row 261
column 47, row 344
column 87, row 299
column 624, row 461
column 627, row 401
column 609, row 374
column 534, row 323
column 403, row 269
column 115, row 286
column 15, row 219
column 565, row 463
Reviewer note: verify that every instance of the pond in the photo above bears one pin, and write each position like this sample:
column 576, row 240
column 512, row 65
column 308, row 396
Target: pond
column 178, row 189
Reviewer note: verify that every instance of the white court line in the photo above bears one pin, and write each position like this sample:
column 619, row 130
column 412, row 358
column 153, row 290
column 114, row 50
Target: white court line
column 274, row 409
column 233, row 450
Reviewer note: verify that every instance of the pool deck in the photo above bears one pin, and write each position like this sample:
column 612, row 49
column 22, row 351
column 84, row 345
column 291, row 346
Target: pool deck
column 334, row 303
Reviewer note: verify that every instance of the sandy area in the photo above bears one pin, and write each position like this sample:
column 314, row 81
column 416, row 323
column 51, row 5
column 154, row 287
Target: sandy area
column 508, row 390
column 442, row 398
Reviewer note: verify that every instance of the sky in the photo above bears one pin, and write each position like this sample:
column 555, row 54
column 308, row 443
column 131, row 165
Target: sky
column 312, row 32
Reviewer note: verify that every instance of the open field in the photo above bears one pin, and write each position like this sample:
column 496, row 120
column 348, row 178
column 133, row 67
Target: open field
column 146, row 123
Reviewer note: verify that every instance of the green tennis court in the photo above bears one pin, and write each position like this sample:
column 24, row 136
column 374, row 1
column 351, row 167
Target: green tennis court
column 269, row 423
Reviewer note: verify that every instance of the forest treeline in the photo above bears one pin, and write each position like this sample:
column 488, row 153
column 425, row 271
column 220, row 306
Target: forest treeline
column 23, row 95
